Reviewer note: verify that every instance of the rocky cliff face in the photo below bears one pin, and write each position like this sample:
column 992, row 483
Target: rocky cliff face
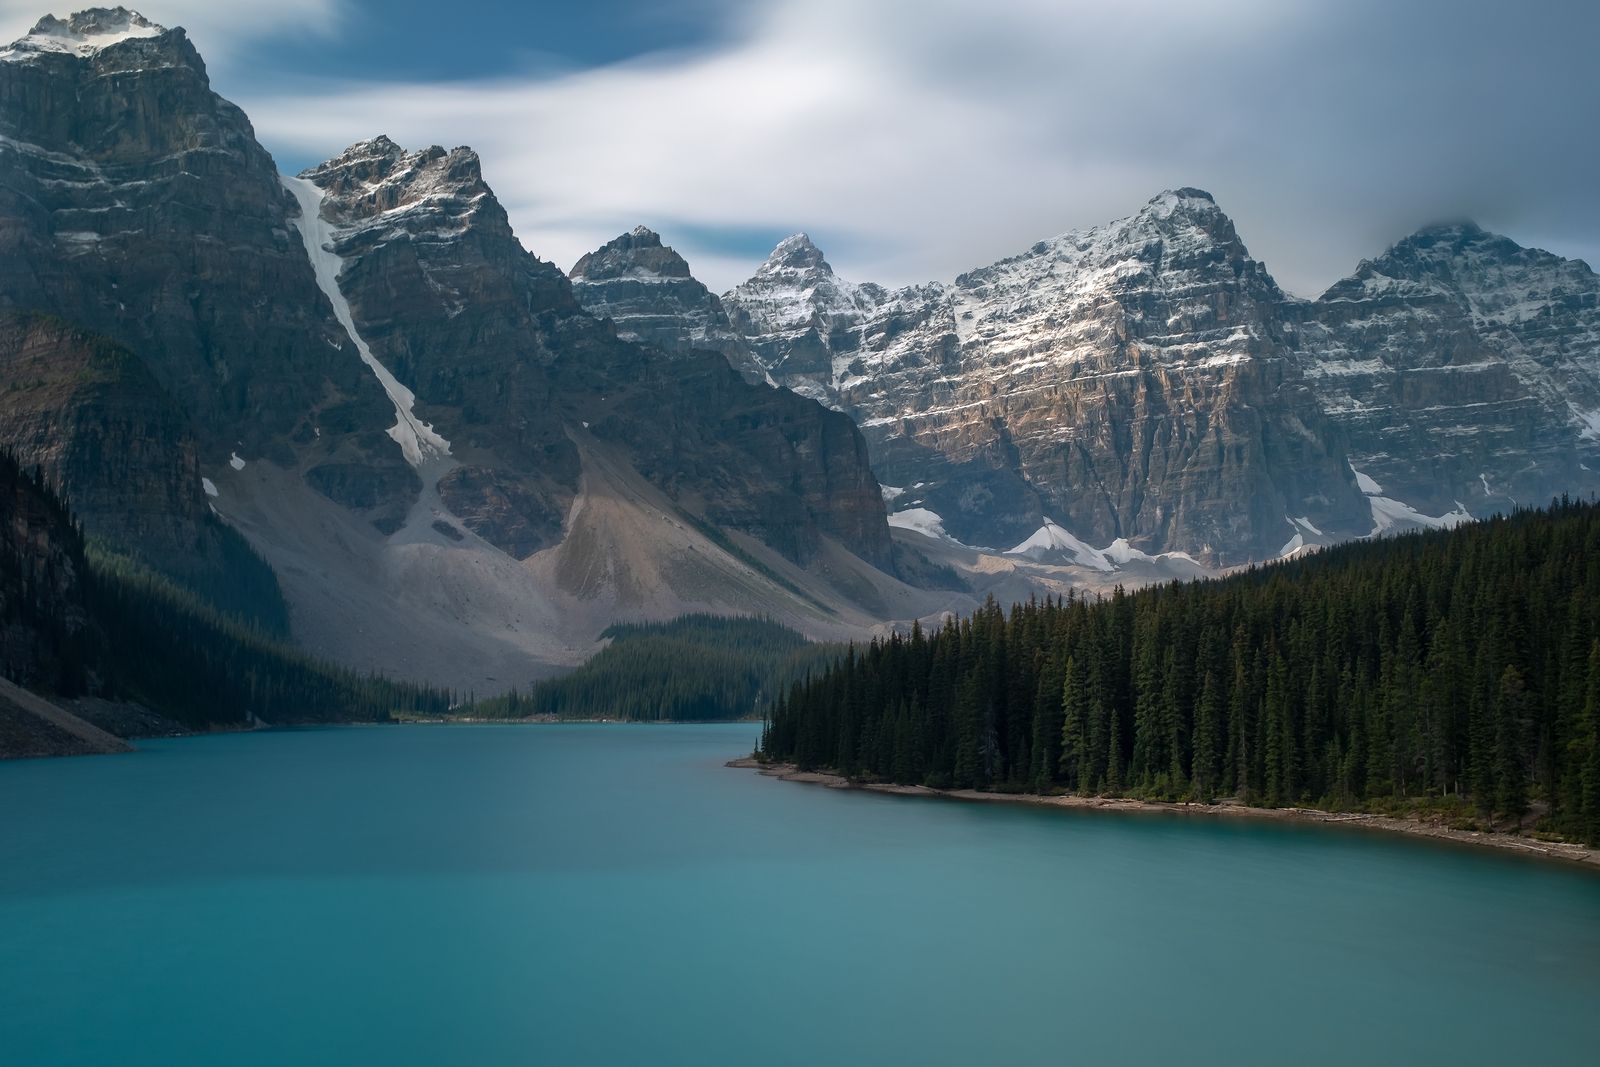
column 801, row 318
column 139, row 205
column 503, row 360
column 1146, row 385
column 647, row 292
column 136, row 203
column 87, row 414
column 1132, row 382
column 1464, row 371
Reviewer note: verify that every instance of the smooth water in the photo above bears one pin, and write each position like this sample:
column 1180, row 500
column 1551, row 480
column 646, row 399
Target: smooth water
column 614, row 895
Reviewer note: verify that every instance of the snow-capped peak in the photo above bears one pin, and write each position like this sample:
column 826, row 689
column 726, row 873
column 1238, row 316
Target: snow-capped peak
column 795, row 253
column 83, row 34
column 1172, row 200
column 380, row 151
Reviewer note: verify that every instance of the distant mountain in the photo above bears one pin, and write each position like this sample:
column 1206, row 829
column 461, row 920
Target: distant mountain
column 1464, row 371
column 646, row 290
column 455, row 472
column 1147, row 384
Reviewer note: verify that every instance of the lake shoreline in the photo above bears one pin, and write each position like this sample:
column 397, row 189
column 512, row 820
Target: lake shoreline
column 1516, row 844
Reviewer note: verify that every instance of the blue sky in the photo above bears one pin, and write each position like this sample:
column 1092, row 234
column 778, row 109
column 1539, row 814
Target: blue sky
column 914, row 139
column 423, row 39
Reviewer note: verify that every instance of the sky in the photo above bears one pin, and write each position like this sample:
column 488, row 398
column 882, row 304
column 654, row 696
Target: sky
column 916, row 139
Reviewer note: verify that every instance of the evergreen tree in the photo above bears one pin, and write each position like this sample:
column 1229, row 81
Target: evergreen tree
column 1511, row 781
column 1458, row 666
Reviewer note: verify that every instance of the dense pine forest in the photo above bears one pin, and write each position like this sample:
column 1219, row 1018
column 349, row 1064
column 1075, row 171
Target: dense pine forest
column 1458, row 670
column 695, row 668
column 77, row 620
column 167, row 647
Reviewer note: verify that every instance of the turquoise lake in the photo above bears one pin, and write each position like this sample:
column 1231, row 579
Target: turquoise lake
column 614, row 895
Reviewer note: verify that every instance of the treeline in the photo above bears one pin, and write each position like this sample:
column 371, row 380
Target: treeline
column 78, row 620
column 694, row 668
column 1456, row 667
column 167, row 647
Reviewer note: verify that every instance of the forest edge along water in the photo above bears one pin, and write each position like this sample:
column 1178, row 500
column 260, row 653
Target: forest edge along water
column 1562, row 852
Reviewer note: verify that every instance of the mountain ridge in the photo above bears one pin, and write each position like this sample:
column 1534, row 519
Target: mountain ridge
column 1111, row 300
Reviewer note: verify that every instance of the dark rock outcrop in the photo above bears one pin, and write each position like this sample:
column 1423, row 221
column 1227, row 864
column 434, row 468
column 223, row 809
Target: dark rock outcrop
column 136, row 203
column 86, row 413
column 647, row 291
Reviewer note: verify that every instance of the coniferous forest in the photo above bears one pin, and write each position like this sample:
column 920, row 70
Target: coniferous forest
column 166, row 646
column 78, row 620
column 1454, row 669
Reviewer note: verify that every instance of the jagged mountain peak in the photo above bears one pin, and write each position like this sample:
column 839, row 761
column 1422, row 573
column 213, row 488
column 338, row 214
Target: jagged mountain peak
column 637, row 254
column 1491, row 274
column 100, row 21
column 385, row 177
column 1179, row 230
column 648, row 292
column 796, row 290
column 380, row 159
column 1188, row 198
column 379, row 147
column 796, row 253
column 83, row 33
column 1187, row 210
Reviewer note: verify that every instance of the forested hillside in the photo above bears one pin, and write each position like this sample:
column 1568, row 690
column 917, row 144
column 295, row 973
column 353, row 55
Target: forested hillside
column 77, row 621
column 694, row 668
column 1452, row 667
column 166, row 647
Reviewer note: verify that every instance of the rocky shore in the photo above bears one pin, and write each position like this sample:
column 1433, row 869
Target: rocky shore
column 1509, row 842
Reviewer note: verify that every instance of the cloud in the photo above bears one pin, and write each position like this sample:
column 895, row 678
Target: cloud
column 916, row 140
column 217, row 27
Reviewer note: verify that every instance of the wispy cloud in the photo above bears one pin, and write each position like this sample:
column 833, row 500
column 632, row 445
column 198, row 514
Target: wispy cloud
column 916, row 140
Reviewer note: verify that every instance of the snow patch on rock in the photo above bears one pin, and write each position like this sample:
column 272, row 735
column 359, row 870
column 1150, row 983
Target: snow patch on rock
column 81, row 35
column 417, row 440
column 1364, row 483
column 921, row 520
column 1051, row 538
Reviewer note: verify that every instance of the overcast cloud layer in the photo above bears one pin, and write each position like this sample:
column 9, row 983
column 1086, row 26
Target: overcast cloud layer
column 917, row 139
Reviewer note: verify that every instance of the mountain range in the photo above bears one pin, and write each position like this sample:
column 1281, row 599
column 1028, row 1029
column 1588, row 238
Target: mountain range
column 350, row 405
column 1146, row 387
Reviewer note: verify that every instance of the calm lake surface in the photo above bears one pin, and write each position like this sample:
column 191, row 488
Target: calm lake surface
column 613, row 895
